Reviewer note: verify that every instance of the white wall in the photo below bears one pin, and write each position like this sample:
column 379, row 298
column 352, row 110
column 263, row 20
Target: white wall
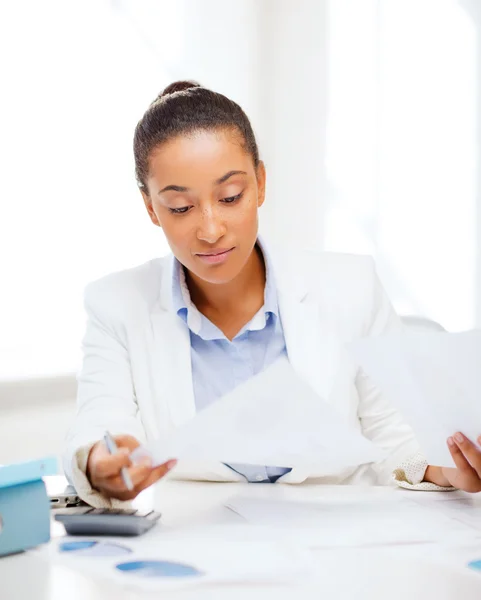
column 292, row 129
column 221, row 49
column 270, row 57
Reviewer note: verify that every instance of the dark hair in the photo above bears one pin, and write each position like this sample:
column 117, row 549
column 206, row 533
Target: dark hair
column 185, row 107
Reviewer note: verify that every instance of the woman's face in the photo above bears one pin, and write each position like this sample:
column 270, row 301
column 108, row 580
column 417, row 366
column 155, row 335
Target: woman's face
column 204, row 191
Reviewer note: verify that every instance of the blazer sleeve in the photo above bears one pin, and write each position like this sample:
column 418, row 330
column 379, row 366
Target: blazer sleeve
column 105, row 397
column 380, row 421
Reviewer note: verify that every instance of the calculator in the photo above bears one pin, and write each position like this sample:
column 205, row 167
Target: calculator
column 106, row 521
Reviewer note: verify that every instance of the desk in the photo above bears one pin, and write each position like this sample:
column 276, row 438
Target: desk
column 416, row 572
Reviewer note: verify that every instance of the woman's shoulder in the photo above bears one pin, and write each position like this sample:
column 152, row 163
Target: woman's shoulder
column 317, row 267
column 133, row 286
column 343, row 269
column 344, row 277
column 342, row 261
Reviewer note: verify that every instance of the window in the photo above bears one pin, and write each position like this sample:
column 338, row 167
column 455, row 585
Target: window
column 76, row 82
column 402, row 150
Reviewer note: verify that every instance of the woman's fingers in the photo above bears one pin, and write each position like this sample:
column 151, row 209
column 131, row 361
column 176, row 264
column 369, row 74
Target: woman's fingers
column 108, row 465
column 126, row 441
column 460, row 460
column 142, row 476
column 139, row 473
column 464, row 477
column 104, row 469
column 157, row 473
column 470, row 452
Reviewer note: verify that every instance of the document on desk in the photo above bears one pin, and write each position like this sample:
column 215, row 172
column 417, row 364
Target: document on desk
column 155, row 564
column 433, row 379
column 465, row 508
column 275, row 418
column 332, row 524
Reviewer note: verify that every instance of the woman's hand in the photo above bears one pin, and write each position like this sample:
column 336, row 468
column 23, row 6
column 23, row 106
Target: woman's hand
column 467, row 458
column 103, row 469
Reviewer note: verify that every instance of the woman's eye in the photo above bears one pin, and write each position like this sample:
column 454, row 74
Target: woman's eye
column 231, row 199
column 179, row 211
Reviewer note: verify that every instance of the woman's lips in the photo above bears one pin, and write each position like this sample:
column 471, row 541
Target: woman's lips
column 215, row 257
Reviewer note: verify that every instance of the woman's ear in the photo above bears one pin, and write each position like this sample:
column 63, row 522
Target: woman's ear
column 261, row 183
column 149, row 207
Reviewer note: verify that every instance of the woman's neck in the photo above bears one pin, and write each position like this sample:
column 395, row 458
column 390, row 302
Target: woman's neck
column 231, row 305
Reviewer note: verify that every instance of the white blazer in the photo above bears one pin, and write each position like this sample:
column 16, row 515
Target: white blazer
column 136, row 376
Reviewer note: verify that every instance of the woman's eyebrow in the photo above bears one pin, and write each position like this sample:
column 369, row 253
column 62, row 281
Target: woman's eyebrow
column 175, row 188
column 181, row 188
column 225, row 177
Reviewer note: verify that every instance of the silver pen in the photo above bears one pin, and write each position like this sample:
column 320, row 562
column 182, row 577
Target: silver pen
column 112, row 448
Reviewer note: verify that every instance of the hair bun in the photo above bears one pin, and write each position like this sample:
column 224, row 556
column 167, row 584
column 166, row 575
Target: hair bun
column 178, row 86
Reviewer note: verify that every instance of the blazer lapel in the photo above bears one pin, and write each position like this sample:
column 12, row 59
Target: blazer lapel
column 171, row 368
column 312, row 349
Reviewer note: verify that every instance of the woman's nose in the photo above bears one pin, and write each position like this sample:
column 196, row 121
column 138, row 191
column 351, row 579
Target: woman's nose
column 211, row 227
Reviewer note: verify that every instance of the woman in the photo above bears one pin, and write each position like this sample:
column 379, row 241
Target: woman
column 169, row 337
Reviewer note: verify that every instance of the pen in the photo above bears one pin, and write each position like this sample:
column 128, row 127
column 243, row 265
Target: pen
column 112, row 448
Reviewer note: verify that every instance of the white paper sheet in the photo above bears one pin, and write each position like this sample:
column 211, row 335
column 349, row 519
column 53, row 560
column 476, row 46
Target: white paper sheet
column 327, row 524
column 434, row 379
column 273, row 419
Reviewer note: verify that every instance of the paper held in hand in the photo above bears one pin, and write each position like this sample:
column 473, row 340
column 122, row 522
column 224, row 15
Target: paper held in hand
column 273, row 419
column 433, row 379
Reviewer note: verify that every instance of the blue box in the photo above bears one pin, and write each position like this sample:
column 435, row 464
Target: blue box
column 24, row 505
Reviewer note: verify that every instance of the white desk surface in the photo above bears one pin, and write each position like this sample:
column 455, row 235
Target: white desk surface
column 428, row 571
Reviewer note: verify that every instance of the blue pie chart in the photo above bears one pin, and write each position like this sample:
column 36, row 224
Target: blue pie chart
column 93, row 548
column 475, row 564
column 158, row 568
